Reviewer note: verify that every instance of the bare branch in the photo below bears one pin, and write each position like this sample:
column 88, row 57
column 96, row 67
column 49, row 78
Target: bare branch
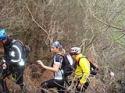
column 33, row 19
column 99, row 20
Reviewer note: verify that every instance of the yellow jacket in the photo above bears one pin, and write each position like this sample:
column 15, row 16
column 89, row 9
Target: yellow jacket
column 83, row 68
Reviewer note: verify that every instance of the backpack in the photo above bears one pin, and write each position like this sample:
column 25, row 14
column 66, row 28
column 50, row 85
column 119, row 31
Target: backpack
column 25, row 49
column 93, row 67
column 67, row 65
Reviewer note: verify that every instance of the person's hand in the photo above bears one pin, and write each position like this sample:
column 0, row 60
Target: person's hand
column 4, row 66
column 80, row 86
column 40, row 62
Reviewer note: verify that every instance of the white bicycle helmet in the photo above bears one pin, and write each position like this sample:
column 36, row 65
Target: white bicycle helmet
column 75, row 50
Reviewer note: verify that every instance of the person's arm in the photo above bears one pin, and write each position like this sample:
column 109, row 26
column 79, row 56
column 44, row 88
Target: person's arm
column 55, row 67
column 85, row 66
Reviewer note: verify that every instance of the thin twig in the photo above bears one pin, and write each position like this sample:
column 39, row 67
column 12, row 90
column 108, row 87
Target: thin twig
column 33, row 19
column 99, row 20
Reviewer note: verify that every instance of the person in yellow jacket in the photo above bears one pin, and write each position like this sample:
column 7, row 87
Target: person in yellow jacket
column 82, row 70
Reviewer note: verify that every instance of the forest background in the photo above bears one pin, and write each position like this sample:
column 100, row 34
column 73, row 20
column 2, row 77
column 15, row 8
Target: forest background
column 95, row 25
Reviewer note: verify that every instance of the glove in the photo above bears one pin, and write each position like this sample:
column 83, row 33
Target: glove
column 4, row 66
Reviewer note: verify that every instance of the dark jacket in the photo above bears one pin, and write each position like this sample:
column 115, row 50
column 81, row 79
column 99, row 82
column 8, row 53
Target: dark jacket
column 14, row 52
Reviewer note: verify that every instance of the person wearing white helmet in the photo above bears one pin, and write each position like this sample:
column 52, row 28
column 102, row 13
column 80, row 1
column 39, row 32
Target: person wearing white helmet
column 82, row 70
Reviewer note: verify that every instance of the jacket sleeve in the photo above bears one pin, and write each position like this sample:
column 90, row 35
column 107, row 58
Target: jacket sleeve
column 85, row 66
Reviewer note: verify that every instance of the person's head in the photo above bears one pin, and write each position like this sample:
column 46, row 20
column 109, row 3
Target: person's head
column 3, row 35
column 56, row 47
column 75, row 50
